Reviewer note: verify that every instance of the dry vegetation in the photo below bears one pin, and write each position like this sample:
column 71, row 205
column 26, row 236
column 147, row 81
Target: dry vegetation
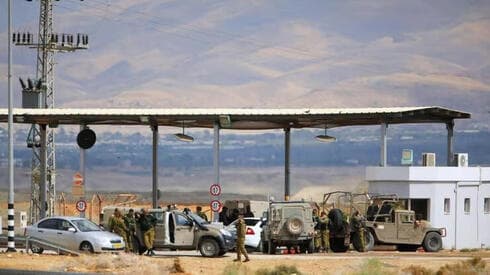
column 349, row 263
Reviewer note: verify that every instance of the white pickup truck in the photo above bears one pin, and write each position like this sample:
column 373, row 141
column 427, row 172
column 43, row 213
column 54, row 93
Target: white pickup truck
column 179, row 230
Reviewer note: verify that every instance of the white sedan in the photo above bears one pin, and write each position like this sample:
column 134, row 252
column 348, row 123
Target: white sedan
column 72, row 233
column 252, row 237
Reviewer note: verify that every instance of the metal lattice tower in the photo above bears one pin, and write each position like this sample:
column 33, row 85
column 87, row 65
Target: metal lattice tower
column 43, row 169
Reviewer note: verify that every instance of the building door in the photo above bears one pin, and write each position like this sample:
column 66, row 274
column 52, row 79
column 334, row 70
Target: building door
column 466, row 217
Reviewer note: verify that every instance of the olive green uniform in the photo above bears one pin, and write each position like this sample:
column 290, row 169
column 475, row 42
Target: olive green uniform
column 117, row 225
column 202, row 215
column 130, row 222
column 147, row 225
column 323, row 237
column 358, row 231
column 241, row 230
column 317, row 239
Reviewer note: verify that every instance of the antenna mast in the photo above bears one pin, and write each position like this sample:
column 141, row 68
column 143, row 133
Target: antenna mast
column 41, row 138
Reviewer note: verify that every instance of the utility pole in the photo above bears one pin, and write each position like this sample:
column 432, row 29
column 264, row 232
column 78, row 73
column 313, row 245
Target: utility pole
column 11, row 212
column 41, row 138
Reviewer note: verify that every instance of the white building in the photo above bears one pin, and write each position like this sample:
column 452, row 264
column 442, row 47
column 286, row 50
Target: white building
column 457, row 198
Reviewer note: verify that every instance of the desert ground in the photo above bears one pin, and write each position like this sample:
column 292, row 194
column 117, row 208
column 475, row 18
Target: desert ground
column 181, row 262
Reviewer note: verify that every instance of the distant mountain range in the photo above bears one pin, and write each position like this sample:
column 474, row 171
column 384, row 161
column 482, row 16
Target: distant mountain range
column 220, row 53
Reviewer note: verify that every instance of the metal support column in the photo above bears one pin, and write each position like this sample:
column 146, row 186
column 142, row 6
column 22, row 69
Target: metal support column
column 383, row 156
column 43, row 173
column 287, row 146
column 450, row 142
column 83, row 153
column 216, row 163
column 154, row 189
column 11, row 211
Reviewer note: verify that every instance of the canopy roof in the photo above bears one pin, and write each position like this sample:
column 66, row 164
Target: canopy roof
column 237, row 118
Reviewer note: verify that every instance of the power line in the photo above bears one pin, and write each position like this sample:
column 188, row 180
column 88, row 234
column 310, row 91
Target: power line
column 157, row 21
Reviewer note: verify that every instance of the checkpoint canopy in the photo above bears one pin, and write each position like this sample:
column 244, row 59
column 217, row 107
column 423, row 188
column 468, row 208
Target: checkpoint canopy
column 236, row 118
column 239, row 119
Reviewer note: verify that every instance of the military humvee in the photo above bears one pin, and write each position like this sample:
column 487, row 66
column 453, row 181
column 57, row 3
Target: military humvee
column 288, row 224
column 386, row 223
column 181, row 230
column 399, row 227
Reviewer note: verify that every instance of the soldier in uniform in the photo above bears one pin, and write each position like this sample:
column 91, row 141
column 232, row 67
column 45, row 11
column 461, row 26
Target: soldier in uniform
column 241, row 230
column 147, row 225
column 117, row 225
column 324, row 233
column 317, row 239
column 130, row 222
column 358, row 229
column 200, row 213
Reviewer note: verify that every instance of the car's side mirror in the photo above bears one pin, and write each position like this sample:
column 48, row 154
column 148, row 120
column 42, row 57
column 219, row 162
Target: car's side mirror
column 71, row 229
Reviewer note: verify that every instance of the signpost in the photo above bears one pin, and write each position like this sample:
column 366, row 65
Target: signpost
column 215, row 190
column 216, row 205
column 81, row 205
column 77, row 188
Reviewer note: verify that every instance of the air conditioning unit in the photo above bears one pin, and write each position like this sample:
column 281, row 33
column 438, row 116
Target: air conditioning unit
column 461, row 159
column 428, row 159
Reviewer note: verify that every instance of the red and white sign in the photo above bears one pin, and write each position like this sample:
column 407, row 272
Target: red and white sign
column 77, row 178
column 81, row 205
column 216, row 205
column 215, row 190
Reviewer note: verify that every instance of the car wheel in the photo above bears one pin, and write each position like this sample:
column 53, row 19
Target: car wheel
column 209, row 248
column 86, row 247
column 294, row 225
column 432, row 242
column 36, row 249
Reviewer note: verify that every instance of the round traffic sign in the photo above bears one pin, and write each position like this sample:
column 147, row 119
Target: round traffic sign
column 215, row 205
column 215, row 189
column 81, row 205
column 78, row 179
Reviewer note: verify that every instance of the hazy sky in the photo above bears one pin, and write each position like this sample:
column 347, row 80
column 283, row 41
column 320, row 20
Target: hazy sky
column 266, row 54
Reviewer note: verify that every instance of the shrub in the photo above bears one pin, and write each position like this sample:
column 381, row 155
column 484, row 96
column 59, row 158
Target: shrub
column 472, row 266
column 417, row 270
column 236, row 269
column 372, row 267
column 279, row 270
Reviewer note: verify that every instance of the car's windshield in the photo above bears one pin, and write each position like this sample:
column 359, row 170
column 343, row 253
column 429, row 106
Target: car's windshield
column 86, row 225
column 198, row 219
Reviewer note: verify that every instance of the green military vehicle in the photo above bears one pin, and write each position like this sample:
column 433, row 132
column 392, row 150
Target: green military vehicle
column 386, row 223
column 390, row 225
column 181, row 230
column 288, row 224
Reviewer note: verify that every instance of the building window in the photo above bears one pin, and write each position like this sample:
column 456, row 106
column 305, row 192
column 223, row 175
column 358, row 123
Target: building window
column 447, row 205
column 466, row 205
column 486, row 205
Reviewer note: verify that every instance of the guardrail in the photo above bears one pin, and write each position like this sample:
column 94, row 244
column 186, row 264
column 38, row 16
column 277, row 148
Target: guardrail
column 49, row 245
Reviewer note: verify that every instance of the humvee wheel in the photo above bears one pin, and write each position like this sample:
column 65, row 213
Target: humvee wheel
column 432, row 242
column 338, row 245
column 368, row 241
column 209, row 248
